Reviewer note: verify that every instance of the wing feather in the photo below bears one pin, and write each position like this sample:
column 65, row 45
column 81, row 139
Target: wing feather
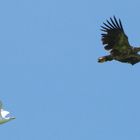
column 108, row 27
column 113, row 26
column 113, row 36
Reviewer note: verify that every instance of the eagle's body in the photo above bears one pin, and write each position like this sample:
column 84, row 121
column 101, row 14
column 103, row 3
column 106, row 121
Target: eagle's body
column 116, row 41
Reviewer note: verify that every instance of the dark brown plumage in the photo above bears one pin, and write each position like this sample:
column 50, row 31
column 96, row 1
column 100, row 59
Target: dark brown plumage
column 116, row 42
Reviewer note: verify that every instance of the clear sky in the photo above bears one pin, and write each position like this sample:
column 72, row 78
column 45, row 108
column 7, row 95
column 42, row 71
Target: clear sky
column 49, row 76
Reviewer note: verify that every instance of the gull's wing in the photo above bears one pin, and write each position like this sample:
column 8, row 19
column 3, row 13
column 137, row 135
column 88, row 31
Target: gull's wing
column 4, row 113
column 1, row 109
column 1, row 105
column 6, row 120
column 113, row 36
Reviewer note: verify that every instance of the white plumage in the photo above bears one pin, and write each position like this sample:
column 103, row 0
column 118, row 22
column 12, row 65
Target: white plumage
column 4, row 115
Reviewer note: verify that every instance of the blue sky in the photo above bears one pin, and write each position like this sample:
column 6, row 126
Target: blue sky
column 49, row 76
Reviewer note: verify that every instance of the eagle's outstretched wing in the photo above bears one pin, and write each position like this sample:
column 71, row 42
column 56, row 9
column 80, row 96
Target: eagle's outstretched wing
column 114, row 36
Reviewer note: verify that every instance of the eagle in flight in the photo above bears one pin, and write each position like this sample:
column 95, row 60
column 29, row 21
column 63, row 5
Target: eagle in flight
column 116, row 42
